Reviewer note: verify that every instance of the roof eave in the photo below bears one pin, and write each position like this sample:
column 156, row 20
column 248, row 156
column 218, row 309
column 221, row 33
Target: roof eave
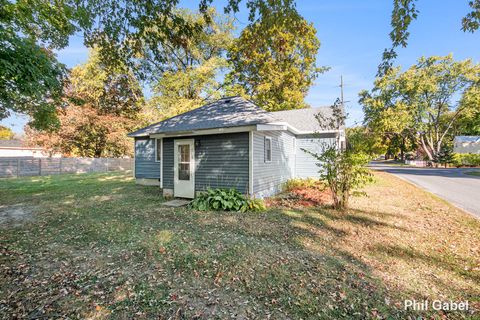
column 208, row 131
column 296, row 131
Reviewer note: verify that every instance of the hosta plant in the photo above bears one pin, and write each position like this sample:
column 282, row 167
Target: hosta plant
column 226, row 200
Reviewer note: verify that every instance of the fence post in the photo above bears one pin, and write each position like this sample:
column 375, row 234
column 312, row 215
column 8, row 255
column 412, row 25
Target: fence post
column 106, row 165
column 61, row 165
column 39, row 166
column 18, row 166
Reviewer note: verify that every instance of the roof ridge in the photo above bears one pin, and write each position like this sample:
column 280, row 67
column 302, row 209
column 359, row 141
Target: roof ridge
column 301, row 109
column 184, row 113
column 223, row 103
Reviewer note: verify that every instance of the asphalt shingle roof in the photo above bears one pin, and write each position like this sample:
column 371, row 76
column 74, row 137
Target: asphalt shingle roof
column 303, row 119
column 233, row 112
column 473, row 139
column 226, row 112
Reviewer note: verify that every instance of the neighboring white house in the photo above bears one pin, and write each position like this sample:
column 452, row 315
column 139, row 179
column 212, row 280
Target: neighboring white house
column 16, row 148
column 466, row 144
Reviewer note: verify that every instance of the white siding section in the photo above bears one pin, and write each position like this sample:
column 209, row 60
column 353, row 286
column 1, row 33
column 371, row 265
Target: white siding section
column 306, row 164
column 268, row 177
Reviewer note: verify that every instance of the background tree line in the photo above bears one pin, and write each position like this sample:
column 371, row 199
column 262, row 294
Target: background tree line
column 189, row 58
column 421, row 108
column 184, row 58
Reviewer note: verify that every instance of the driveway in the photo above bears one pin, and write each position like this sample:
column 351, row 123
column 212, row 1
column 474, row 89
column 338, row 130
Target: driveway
column 450, row 184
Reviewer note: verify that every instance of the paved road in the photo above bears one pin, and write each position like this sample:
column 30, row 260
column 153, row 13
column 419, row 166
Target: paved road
column 450, row 184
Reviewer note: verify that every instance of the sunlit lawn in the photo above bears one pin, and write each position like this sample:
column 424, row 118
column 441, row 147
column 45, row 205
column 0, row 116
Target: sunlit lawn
column 473, row 173
column 99, row 246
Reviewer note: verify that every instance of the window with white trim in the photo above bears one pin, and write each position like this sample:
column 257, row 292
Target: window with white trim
column 158, row 150
column 268, row 149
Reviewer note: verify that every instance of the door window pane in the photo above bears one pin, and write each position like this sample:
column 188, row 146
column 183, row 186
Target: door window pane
column 184, row 162
column 184, row 171
column 184, row 152
column 158, row 148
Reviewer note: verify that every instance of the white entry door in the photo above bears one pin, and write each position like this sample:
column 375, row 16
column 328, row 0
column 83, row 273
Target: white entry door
column 184, row 168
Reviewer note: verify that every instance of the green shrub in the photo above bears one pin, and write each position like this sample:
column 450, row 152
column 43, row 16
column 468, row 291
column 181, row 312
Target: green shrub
column 226, row 200
column 343, row 172
column 297, row 183
column 256, row 205
column 466, row 159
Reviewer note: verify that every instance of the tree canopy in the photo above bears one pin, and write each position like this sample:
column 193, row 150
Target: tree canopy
column 31, row 80
column 274, row 59
column 192, row 72
column 127, row 34
column 424, row 102
column 404, row 13
column 101, row 108
column 6, row 133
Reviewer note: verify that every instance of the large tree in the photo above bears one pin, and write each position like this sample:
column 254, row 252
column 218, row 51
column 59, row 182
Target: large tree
column 31, row 78
column 128, row 33
column 192, row 73
column 274, row 59
column 6, row 133
column 425, row 102
column 102, row 106
column 404, row 13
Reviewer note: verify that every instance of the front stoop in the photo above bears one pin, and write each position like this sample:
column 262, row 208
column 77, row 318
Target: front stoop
column 176, row 203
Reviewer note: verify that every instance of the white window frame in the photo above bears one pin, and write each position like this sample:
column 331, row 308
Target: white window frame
column 161, row 149
column 265, row 149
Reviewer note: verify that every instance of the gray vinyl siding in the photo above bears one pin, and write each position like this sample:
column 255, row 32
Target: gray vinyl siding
column 145, row 164
column 221, row 161
column 306, row 164
column 268, row 177
column 168, row 163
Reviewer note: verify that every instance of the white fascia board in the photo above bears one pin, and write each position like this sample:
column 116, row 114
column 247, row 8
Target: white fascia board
column 295, row 130
column 271, row 127
column 204, row 132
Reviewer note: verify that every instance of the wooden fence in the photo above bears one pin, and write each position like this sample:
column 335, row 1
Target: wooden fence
column 22, row 167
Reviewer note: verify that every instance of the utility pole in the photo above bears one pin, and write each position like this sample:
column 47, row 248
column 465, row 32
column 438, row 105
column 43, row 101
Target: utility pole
column 340, row 143
column 341, row 90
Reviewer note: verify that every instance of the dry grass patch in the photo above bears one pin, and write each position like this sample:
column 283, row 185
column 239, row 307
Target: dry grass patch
column 418, row 245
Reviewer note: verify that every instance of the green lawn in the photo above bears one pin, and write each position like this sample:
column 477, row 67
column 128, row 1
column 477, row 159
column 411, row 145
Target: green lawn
column 99, row 246
column 473, row 173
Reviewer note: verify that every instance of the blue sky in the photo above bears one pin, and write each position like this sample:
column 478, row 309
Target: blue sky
column 353, row 34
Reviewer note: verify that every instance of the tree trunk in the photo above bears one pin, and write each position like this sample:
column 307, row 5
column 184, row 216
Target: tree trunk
column 402, row 150
column 425, row 148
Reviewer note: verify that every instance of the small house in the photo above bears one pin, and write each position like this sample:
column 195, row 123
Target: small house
column 466, row 144
column 230, row 143
column 17, row 149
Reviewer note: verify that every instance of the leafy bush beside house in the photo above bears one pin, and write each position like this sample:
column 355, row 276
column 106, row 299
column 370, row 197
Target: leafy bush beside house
column 466, row 159
column 297, row 183
column 226, row 200
column 344, row 172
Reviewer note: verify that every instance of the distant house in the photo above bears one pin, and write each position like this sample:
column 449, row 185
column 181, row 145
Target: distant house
column 230, row 143
column 466, row 144
column 16, row 148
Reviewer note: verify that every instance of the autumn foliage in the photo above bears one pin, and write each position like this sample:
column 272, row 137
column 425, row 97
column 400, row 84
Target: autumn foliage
column 102, row 107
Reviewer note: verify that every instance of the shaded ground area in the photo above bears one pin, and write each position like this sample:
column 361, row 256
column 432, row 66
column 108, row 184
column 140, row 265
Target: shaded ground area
column 101, row 247
column 15, row 215
column 460, row 186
